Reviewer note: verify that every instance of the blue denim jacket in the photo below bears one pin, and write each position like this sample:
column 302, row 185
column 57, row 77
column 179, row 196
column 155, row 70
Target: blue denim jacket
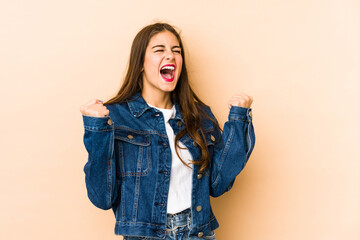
column 129, row 165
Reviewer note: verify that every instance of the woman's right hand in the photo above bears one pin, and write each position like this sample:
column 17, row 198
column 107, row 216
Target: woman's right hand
column 94, row 108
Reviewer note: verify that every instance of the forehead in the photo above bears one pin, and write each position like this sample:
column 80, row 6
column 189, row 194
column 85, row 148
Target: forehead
column 164, row 38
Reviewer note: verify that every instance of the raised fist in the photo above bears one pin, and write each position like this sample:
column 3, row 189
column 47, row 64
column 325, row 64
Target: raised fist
column 94, row 108
column 240, row 100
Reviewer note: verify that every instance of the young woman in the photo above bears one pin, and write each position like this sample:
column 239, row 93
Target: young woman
column 156, row 152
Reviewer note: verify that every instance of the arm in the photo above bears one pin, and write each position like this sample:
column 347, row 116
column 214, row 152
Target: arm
column 232, row 151
column 100, row 170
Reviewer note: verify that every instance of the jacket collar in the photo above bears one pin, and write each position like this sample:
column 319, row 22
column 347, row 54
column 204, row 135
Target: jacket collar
column 138, row 106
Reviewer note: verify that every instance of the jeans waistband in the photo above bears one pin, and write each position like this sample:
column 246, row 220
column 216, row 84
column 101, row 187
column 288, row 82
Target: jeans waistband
column 177, row 220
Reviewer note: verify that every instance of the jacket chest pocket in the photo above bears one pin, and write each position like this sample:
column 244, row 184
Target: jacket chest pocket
column 133, row 153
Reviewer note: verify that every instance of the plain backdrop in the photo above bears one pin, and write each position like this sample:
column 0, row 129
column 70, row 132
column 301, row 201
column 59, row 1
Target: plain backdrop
column 300, row 60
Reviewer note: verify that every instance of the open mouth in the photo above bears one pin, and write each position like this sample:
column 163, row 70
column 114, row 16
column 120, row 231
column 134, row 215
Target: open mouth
column 168, row 72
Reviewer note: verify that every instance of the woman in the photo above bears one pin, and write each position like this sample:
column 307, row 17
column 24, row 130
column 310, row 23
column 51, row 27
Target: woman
column 156, row 152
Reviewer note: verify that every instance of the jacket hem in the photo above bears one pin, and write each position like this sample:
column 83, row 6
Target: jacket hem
column 157, row 231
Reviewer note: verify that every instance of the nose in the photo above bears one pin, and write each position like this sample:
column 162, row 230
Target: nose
column 169, row 55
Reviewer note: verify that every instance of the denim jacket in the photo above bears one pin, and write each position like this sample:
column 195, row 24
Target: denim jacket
column 129, row 165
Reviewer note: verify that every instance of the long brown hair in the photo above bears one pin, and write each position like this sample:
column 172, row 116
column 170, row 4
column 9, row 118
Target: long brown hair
column 189, row 102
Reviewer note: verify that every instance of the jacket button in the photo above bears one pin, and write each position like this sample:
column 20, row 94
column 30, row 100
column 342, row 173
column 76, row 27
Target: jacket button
column 130, row 136
column 200, row 234
column 199, row 176
column 109, row 122
column 198, row 208
column 179, row 123
column 194, row 143
column 212, row 138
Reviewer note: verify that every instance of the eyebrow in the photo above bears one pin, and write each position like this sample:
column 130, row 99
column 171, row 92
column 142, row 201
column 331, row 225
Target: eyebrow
column 163, row 46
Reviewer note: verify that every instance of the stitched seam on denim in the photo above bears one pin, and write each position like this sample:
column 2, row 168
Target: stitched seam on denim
column 134, row 130
column 223, row 155
column 141, row 173
column 140, row 131
column 142, row 223
column 122, row 202
column 143, row 110
column 125, row 139
column 227, row 146
column 121, row 158
column 130, row 105
column 248, row 138
column 135, row 174
column 137, row 184
column 92, row 129
column 132, row 109
column 110, row 163
column 149, row 158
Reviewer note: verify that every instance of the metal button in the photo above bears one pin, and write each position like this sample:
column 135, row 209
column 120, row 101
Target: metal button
column 130, row 136
column 194, row 143
column 200, row 234
column 199, row 176
column 198, row 208
column 250, row 113
column 109, row 122
column 179, row 123
column 212, row 138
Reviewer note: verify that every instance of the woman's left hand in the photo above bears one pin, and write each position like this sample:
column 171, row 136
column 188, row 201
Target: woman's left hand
column 240, row 100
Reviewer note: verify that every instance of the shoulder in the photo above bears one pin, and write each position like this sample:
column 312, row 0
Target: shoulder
column 119, row 113
column 208, row 119
column 117, row 107
column 205, row 109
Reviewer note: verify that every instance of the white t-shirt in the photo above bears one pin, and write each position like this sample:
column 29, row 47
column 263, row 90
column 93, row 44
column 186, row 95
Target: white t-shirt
column 179, row 197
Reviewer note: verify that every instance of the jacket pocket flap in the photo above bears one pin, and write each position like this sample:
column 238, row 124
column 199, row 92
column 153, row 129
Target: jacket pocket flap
column 132, row 137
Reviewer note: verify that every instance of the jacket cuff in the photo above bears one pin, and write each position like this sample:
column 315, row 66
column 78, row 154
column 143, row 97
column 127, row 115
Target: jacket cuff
column 240, row 113
column 97, row 123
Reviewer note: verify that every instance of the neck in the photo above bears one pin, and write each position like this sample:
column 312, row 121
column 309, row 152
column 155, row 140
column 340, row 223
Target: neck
column 161, row 100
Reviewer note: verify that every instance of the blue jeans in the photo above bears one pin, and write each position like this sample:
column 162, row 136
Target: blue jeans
column 177, row 228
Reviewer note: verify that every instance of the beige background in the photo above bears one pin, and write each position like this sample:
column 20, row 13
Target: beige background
column 300, row 60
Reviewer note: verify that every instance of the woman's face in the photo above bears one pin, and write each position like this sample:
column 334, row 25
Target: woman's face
column 162, row 64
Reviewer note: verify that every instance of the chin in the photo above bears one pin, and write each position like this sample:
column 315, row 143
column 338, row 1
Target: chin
column 168, row 89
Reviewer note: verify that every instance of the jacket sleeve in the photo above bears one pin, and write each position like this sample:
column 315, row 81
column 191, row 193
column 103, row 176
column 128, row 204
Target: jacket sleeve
column 232, row 150
column 100, row 168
